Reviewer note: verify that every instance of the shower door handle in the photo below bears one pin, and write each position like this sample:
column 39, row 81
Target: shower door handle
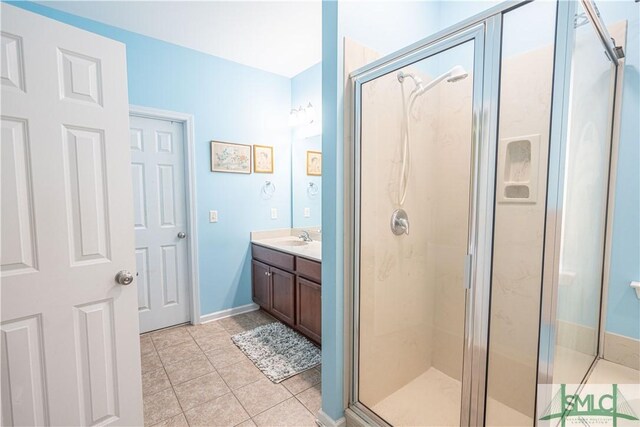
column 468, row 263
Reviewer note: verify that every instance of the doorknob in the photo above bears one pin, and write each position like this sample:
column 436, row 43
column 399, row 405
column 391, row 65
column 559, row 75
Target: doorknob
column 124, row 277
column 182, row 235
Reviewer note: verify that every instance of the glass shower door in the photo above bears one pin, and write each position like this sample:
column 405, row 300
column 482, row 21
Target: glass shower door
column 414, row 210
column 585, row 189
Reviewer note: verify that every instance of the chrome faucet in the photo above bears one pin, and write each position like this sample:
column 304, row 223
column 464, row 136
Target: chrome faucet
column 304, row 235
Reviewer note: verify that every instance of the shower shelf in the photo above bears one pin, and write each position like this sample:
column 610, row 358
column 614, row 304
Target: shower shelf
column 518, row 169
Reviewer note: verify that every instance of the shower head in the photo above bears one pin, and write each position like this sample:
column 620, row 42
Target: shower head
column 456, row 74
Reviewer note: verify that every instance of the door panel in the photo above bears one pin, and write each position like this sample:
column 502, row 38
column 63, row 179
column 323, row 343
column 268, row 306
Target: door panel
column 24, row 405
column 69, row 331
column 283, row 295
column 159, row 200
column 261, row 287
column 18, row 244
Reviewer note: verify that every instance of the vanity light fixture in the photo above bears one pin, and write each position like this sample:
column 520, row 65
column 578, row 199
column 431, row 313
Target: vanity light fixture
column 302, row 115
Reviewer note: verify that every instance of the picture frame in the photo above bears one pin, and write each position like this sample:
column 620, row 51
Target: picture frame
column 314, row 163
column 230, row 157
column 262, row 159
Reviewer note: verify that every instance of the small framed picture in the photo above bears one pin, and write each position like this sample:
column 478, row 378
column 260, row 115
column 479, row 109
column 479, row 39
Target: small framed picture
column 262, row 159
column 314, row 163
column 228, row 157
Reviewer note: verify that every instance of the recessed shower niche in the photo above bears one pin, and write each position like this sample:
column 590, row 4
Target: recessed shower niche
column 518, row 163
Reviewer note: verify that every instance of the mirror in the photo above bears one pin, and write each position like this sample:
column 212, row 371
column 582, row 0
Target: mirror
column 306, row 148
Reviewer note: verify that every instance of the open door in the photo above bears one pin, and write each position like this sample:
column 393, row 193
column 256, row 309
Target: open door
column 70, row 348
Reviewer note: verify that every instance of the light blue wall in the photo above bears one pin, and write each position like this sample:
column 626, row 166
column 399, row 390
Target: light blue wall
column 332, row 224
column 306, row 87
column 230, row 102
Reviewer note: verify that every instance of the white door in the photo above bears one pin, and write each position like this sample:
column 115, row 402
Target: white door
column 160, row 221
column 70, row 347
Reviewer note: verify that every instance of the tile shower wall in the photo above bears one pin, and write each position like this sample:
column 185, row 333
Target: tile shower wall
column 518, row 238
column 385, row 26
column 412, row 294
column 230, row 102
column 396, row 273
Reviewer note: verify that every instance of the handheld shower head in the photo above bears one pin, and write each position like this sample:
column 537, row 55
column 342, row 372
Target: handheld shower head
column 456, row 74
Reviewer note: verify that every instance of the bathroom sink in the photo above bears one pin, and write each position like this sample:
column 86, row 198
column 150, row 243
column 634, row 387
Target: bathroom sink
column 293, row 243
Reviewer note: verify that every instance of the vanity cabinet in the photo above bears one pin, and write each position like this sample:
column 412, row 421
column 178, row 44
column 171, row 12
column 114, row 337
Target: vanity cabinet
column 289, row 288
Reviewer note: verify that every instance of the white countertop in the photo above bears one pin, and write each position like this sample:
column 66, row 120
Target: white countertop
column 286, row 242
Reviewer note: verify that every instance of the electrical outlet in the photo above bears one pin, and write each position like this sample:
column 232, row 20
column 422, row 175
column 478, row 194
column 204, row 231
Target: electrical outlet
column 274, row 213
column 213, row 216
column 307, row 212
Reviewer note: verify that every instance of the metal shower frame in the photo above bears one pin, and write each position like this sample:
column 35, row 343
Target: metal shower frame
column 485, row 30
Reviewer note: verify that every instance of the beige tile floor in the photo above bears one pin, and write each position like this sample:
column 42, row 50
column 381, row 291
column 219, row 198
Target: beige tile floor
column 195, row 376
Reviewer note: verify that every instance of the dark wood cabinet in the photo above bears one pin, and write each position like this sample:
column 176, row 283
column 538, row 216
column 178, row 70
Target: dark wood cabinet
column 261, row 289
column 308, row 308
column 288, row 287
column 283, row 296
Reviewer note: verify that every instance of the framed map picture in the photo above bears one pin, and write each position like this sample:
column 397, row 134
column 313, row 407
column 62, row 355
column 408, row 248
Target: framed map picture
column 314, row 163
column 262, row 159
column 228, row 157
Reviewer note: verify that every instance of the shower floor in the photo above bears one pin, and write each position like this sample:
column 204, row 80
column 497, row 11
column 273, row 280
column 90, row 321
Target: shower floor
column 433, row 399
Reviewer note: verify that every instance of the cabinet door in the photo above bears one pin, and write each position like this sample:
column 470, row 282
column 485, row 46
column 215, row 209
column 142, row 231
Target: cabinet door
column 309, row 308
column 261, row 284
column 283, row 292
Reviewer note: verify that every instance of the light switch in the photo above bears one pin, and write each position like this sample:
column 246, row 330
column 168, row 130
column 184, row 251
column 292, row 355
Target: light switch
column 274, row 213
column 307, row 212
column 213, row 216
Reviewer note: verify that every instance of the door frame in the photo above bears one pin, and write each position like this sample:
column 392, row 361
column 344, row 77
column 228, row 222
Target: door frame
column 191, row 201
column 485, row 32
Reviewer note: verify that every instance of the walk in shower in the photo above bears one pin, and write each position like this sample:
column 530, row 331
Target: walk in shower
column 480, row 162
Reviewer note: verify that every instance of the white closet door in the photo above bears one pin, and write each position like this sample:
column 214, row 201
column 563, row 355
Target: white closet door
column 70, row 347
column 160, row 221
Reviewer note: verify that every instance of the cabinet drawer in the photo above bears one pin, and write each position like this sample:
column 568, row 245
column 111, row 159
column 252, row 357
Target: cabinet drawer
column 309, row 269
column 275, row 258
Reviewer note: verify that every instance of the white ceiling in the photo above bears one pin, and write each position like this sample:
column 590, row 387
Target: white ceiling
column 283, row 37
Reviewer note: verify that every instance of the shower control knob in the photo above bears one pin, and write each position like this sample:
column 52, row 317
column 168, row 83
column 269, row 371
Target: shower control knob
column 399, row 222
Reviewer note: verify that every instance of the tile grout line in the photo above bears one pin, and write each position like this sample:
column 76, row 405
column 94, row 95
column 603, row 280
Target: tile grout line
column 251, row 417
column 215, row 369
column 221, row 377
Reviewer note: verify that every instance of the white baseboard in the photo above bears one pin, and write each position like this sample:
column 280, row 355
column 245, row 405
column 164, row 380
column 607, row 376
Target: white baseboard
column 324, row 420
column 228, row 312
